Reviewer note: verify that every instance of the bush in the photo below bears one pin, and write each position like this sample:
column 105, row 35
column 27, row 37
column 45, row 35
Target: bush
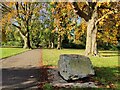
column 11, row 44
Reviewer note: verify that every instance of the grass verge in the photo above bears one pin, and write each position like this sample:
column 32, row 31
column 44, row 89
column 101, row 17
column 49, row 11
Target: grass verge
column 7, row 52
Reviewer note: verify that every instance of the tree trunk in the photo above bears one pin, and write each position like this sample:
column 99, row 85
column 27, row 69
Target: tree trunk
column 89, row 37
column 91, row 44
column 52, row 45
column 52, row 41
column 25, row 42
column 94, row 42
column 59, row 42
column 49, row 46
column 28, row 41
column 28, row 35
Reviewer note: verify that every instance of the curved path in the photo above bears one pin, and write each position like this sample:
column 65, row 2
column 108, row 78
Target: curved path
column 22, row 71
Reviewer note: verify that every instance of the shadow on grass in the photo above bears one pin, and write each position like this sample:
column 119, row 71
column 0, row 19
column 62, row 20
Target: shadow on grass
column 109, row 53
column 108, row 76
column 20, row 78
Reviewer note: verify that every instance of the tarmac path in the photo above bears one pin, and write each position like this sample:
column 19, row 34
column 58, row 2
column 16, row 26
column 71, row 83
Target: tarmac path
column 21, row 71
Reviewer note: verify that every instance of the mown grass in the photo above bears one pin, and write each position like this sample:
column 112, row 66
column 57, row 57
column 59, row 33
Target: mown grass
column 6, row 52
column 106, row 67
column 51, row 56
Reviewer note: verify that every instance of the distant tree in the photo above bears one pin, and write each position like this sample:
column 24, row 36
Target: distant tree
column 4, row 22
column 64, row 20
column 80, row 33
column 21, row 15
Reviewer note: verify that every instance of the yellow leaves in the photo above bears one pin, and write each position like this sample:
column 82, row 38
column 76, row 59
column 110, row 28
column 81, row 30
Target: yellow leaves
column 83, row 26
column 11, row 4
column 69, row 37
column 52, row 3
column 52, row 9
column 25, row 3
column 99, row 35
column 103, row 11
column 116, row 16
column 106, row 16
column 99, row 4
column 53, row 31
column 101, row 23
column 108, row 35
column 117, row 25
column 9, row 16
column 69, row 7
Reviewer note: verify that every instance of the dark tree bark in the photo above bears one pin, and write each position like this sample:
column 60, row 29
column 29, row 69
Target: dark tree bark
column 28, row 35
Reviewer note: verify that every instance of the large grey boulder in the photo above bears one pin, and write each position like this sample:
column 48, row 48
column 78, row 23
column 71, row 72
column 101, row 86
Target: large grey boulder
column 73, row 67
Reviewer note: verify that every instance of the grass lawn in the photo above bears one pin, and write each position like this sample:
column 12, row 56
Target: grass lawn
column 6, row 52
column 106, row 66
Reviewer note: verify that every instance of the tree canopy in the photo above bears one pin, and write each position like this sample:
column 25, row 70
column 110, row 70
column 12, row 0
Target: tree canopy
column 51, row 24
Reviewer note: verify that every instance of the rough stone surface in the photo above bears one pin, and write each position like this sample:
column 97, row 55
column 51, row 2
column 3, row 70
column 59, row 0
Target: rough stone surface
column 74, row 67
column 59, row 82
column 78, row 85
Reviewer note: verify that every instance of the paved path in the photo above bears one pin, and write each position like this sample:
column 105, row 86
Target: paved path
column 21, row 71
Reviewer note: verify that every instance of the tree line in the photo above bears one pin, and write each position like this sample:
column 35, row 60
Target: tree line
column 90, row 25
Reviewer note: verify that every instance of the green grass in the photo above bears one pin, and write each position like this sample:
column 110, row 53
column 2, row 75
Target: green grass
column 51, row 56
column 6, row 52
column 106, row 66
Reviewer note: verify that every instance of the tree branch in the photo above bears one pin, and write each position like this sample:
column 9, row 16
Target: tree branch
column 79, row 11
column 23, row 7
column 16, row 26
column 110, row 12
column 19, row 30
column 104, row 7
column 4, row 8
column 17, row 8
